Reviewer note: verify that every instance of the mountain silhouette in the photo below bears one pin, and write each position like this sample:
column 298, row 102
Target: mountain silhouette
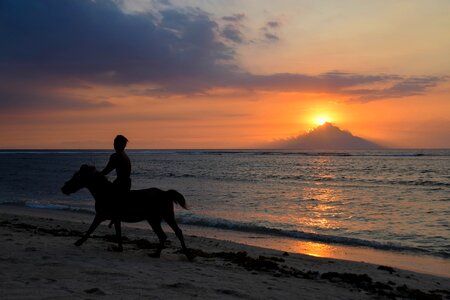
column 325, row 137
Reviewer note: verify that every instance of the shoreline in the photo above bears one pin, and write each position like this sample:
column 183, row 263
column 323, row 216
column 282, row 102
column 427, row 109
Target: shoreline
column 39, row 260
column 425, row 264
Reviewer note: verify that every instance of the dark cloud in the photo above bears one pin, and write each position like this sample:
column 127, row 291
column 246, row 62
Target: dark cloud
column 402, row 87
column 234, row 18
column 271, row 37
column 232, row 28
column 170, row 51
column 233, row 34
column 269, row 31
column 273, row 24
column 97, row 41
column 332, row 82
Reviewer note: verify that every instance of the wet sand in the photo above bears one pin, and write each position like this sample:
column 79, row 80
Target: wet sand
column 38, row 260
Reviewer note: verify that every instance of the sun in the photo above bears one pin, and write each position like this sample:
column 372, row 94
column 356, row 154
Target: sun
column 320, row 120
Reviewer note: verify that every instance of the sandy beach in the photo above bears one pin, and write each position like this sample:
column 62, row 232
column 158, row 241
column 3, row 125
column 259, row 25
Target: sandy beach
column 39, row 261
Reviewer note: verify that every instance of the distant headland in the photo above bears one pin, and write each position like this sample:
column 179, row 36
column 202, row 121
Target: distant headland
column 326, row 137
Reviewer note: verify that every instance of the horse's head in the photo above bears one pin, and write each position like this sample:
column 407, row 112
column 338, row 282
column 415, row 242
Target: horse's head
column 79, row 180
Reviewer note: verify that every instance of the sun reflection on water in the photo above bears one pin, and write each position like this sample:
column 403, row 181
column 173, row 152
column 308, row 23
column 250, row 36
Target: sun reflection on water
column 323, row 212
column 312, row 248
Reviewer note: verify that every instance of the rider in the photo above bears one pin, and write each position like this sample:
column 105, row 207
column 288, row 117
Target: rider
column 122, row 164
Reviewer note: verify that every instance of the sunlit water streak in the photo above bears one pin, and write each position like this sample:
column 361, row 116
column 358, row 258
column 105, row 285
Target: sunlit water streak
column 393, row 200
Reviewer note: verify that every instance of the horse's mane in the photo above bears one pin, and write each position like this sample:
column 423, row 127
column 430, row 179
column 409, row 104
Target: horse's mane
column 98, row 175
column 102, row 178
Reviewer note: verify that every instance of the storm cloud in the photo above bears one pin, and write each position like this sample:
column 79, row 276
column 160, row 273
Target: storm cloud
column 97, row 41
column 174, row 51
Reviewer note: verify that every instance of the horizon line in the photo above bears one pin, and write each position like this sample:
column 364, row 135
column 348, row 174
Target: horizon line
column 210, row 149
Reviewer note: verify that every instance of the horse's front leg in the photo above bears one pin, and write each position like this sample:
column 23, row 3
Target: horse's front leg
column 118, row 228
column 94, row 225
column 111, row 223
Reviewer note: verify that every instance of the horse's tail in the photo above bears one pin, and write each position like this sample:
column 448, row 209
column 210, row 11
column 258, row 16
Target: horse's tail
column 177, row 198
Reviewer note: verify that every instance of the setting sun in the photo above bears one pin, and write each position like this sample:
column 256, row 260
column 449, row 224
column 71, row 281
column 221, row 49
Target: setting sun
column 320, row 120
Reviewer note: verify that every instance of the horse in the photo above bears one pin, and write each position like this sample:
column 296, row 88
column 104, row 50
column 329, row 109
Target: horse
column 152, row 205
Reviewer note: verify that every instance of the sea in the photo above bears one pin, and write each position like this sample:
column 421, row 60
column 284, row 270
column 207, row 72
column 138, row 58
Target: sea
column 393, row 200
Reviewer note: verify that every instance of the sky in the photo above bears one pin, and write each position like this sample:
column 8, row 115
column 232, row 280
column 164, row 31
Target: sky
column 222, row 74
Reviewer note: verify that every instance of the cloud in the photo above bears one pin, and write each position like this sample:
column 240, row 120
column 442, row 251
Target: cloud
column 269, row 31
column 332, row 82
column 32, row 101
column 271, row 37
column 169, row 50
column 233, row 34
column 232, row 28
column 97, row 41
column 234, row 18
column 399, row 87
column 273, row 24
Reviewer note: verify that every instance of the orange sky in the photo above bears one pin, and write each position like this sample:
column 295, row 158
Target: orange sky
column 379, row 70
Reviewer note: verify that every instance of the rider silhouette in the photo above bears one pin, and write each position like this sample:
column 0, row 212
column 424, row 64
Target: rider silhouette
column 122, row 164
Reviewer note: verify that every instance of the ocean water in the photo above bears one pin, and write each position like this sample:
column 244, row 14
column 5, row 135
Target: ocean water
column 395, row 200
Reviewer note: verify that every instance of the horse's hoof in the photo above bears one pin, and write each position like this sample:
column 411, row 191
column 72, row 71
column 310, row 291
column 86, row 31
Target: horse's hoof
column 78, row 243
column 189, row 256
column 115, row 248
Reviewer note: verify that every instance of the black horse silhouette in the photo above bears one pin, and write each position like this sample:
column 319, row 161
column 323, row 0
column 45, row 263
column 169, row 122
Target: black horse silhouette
column 152, row 205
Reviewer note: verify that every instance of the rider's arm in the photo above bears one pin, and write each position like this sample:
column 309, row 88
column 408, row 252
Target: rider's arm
column 110, row 166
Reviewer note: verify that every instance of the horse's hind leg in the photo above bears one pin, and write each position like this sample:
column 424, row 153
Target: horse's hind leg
column 94, row 225
column 118, row 236
column 170, row 220
column 156, row 226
